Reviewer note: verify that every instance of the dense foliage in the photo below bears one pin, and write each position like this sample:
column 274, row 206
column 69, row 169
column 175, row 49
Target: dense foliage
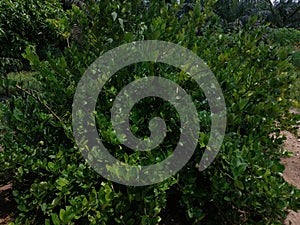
column 24, row 23
column 54, row 185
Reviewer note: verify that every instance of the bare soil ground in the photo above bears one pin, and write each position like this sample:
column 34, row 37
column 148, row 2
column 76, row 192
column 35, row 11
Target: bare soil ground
column 292, row 170
column 7, row 206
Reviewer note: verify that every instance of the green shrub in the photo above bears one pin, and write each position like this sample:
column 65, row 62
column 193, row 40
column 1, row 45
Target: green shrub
column 296, row 86
column 24, row 22
column 296, row 59
column 290, row 39
column 283, row 36
column 54, row 185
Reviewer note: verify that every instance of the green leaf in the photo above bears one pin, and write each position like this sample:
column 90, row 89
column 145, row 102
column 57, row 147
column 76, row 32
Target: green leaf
column 130, row 221
column 22, row 208
column 121, row 22
column 56, row 201
column 114, row 15
column 227, row 199
column 47, row 222
column 62, row 182
column 239, row 184
column 44, row 207
column 18, row 114
column 66, row 215
column 55, row 219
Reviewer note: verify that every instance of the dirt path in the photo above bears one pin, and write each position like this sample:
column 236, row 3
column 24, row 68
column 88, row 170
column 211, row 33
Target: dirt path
column 292, row 170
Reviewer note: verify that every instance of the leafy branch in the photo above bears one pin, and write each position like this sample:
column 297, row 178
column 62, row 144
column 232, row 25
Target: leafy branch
column 40, row 101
